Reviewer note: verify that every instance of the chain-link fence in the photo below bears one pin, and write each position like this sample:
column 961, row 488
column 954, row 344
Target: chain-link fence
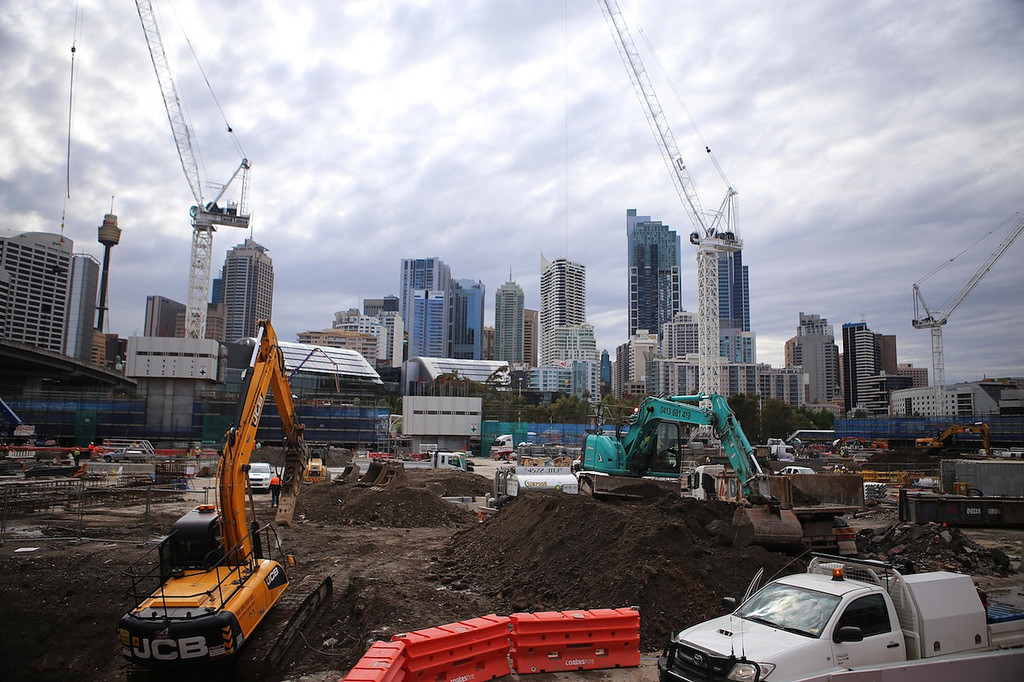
column 110, row 508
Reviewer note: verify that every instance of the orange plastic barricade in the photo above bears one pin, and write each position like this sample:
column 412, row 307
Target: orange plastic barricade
column 382, row 662
column 552, row 641
column 474, row 649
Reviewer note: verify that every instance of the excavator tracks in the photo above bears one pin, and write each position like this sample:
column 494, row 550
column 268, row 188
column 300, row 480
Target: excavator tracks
column 300, row 605
column 268, row 645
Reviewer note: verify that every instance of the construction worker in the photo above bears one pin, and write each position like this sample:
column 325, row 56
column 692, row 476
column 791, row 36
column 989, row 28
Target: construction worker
column 275, row 489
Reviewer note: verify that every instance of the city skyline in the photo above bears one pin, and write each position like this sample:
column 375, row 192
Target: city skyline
column 869, row 144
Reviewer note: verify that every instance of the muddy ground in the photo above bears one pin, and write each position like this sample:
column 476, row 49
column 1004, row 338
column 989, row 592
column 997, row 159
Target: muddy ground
column 405, row 559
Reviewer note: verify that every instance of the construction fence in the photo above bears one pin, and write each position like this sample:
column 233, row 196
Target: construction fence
column 532, row 432
column 38, row 509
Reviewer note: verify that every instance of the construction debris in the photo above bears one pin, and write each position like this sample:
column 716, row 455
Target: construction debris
column 916, row 548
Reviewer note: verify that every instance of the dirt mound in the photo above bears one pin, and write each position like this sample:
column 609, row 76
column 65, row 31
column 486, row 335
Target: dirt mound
column 668, row 556
column 915, row 548
column 449, row 482
column 402, row 507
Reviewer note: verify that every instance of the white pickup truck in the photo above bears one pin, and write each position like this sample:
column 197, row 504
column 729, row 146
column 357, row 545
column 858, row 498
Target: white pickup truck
column 843, row 615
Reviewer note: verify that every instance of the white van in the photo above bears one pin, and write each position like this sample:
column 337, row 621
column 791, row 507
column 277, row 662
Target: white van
column 796, row 470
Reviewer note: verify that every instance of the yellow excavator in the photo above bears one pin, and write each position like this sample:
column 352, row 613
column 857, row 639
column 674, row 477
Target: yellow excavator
column 203, row 591
column 948, row 438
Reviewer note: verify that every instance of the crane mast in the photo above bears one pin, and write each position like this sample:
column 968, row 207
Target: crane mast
column 206, row 216
column 714, row 233
column 933, row 320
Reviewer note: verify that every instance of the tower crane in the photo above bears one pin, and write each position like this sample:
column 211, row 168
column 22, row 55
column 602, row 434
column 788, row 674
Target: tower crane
column 714, row 233
column 933, row 320
column 206, row 216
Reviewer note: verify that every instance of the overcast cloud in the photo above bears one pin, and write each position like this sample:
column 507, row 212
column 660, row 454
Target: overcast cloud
column 870, row 142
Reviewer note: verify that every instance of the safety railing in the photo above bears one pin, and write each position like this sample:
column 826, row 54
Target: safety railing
column 148, row 575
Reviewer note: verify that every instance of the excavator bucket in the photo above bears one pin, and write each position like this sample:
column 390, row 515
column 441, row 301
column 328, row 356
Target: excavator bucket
column 765, row 527
column 384, row 474
column 350, row 474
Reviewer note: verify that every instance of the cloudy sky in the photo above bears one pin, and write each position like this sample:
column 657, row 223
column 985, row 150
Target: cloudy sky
column 870, row 143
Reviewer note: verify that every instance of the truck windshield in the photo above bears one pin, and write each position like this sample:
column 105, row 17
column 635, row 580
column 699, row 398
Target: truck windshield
column 790, row 608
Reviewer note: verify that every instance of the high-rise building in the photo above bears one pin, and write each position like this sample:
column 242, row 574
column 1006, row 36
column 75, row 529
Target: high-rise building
column 509, row 323
column 247, row 283
column 531, row 335
column 216, row 318
column 381, row 318
column 733, row 292
column 162, row 315
column 862, row 358
column 85, row 277
column 680, row 337
column 352, row 320
column 428, row 330
column 488, row 343
column 918, row 375
column 419, row 274
column 655, row 295
column 38, row 265
column 375, row 306
column 394, row 338
column 606, row 373
column 814, row 350
column 643, row 347
column 5, row 296
column 736, row 342
column 427, row 291
column 468, row 323
column 563, row 294
column 361, row 342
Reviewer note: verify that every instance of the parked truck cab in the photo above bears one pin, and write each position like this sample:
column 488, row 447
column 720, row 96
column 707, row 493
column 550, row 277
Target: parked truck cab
column 839, row 615
column 502, row 447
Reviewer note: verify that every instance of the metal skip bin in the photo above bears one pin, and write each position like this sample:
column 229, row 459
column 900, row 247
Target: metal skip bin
column 555, row 641
column 958, row 510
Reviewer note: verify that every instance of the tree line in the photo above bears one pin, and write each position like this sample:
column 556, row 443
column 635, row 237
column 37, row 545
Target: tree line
column 760, row 418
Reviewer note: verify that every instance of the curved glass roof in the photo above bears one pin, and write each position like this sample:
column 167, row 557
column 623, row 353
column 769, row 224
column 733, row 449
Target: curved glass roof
column 305, row 357
column 474, row 370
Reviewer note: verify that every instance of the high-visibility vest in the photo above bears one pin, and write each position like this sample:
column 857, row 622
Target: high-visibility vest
column 275, row 481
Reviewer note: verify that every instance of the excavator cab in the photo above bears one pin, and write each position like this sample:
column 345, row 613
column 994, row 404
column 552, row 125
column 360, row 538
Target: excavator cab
column 194, row 543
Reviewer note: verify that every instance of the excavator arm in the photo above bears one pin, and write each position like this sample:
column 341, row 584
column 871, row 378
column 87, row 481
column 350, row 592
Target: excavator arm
column 265, row 371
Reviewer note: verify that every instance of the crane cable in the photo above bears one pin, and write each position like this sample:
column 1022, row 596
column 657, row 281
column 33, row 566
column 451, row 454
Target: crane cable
column 679, row 100
column 71, row 105
column 227, row 126
column 970, row 246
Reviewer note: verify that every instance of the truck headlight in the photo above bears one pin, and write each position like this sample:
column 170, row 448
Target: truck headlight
column 745, row 671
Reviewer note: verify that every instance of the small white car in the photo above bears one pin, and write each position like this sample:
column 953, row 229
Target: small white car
column 260, row 474
column 796, row 470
